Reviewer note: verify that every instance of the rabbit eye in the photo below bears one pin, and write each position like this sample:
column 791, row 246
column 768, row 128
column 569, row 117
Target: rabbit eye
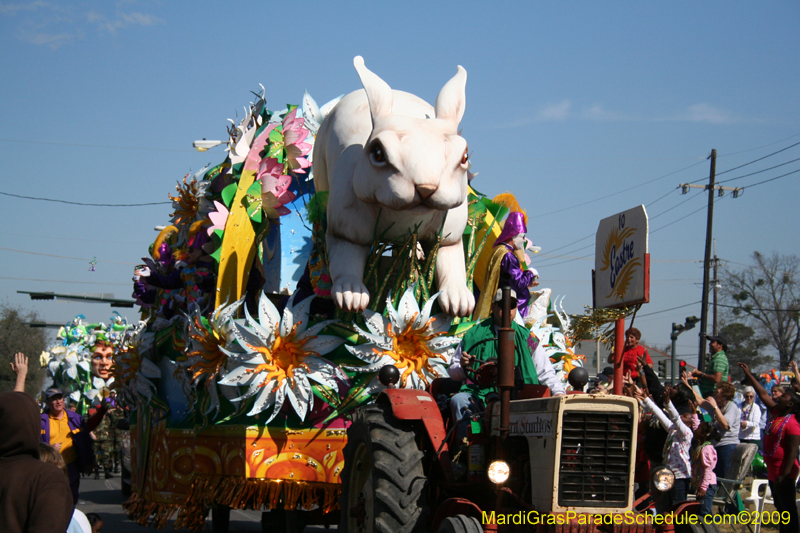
column 377, row 154
column 465, row 157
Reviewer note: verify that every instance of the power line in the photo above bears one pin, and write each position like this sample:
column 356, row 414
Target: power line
column 760, row 309
column 66, row 281
column 676, row 205
column 759, row 147
column 56, row 237
column 594, row 234
column 545, row 264
column 568, row 260
column 678, row 220
column 96, row 146
column 751, row 162
column 771, row 179
column 616, row 193
column 759, row 159
column 759, row 171
column 65, row 257
column 651, row 204
column 670, row 309
column 79, row 203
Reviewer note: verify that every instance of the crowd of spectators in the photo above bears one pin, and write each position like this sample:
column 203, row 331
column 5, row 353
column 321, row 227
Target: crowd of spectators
column 694, row 428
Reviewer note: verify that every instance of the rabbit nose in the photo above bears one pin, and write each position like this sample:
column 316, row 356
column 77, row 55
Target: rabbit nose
column 426, row 190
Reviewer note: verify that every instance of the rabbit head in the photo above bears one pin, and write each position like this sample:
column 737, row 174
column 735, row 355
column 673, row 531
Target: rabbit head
column 413, row 162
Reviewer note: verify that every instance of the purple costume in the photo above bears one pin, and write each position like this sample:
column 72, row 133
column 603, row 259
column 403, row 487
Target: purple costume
column 510, row 270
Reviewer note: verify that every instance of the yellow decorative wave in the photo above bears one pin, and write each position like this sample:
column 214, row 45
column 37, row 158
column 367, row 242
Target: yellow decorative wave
column 624, row 279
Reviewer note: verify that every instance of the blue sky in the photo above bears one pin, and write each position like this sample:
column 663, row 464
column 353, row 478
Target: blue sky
column 567, row 103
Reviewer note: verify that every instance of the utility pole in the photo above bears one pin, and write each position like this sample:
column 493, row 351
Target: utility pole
column 711, row 188
column 701, row 363
column 716, row 286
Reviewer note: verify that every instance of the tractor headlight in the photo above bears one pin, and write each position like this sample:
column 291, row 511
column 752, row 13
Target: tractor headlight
column 498, row 472
column 663, row 479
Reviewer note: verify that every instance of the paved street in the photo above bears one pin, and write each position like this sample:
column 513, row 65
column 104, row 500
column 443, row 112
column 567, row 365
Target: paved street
column 104, row 497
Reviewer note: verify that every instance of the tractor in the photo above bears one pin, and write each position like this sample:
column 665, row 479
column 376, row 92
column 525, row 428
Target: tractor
column 529, row 462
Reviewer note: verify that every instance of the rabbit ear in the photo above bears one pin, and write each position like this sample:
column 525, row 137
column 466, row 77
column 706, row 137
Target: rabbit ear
column 379, row 93
column 451, row 102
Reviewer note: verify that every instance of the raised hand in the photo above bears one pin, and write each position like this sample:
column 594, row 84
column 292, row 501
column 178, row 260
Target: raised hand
column 20, row 364
column 20, row 367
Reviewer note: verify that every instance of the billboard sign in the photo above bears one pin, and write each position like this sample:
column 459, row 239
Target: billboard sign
column 622, row 260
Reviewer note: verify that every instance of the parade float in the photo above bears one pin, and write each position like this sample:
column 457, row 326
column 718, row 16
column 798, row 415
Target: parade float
column 288, row 276
column 81, row 362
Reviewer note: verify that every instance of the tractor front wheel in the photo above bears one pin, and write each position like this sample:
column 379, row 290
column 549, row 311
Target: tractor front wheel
column 384, row 486
column 460, row 524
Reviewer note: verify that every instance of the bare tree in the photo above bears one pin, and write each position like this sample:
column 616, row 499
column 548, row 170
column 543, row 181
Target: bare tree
column 16, row 336
column 767, row 296
column 744, row 346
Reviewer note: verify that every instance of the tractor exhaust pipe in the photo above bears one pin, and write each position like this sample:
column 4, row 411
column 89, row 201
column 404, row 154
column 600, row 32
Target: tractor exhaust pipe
column 505, row 363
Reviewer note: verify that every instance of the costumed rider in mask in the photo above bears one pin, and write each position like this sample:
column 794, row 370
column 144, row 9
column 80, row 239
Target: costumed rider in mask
column 505, row 267
column 529, row 357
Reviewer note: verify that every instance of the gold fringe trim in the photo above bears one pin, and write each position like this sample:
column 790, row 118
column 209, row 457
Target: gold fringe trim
column 239, row 493
column 147, row 513
column 483, row 309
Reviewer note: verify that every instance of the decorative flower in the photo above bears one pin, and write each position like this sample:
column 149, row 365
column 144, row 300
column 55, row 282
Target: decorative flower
column 134, row 373
column 241, row 136
column 294, row 136
column 71, row 363
column 218, row 218
column 102, row 387
column 207, row 358
column 410, row 339
column 275, row 193
column 185, row 204
column 282, row 356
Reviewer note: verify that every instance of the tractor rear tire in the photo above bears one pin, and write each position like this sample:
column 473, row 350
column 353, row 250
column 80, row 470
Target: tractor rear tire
column 384, row 486
column 460, row 524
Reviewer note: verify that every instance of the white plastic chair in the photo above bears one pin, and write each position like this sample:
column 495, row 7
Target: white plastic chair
column 759, row 501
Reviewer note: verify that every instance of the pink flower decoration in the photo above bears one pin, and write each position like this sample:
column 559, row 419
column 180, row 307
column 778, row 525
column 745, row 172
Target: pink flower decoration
column 294, row 135
column 274, row 188
column 218, row 217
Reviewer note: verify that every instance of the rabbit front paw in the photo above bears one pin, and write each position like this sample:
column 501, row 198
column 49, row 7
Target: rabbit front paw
column 350, row 295
column 457, row 300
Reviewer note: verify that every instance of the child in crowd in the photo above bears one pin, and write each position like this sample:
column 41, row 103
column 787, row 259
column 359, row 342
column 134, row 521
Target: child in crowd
column 679, row 424
column 704, row 459
column 95, row 521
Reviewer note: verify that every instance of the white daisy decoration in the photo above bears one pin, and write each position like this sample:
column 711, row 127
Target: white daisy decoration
column 408, row 338
column 102, row 388
column 283, row 354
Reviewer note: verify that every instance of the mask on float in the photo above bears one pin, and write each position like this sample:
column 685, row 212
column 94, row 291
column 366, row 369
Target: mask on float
column 102, row 361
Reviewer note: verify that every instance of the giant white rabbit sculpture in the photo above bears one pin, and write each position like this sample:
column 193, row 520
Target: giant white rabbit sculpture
column 393, row 163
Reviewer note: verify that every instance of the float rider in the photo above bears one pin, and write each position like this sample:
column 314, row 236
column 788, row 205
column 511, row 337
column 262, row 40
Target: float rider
column 505, row 267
